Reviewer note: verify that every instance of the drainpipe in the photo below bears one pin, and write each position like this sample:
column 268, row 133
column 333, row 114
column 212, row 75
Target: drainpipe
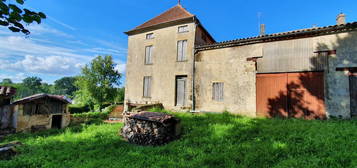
column 194, row 68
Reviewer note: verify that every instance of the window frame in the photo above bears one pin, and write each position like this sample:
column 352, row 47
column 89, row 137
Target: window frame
column 150, row 60
column 149, row 36
column 220, row 89
column 147, row 91
column 183, row 51
column 185, row 30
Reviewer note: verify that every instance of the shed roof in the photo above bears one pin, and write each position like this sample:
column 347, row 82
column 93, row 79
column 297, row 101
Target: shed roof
column 301, row 33
column 63, row 99
column 6, row 91
column 174, row 14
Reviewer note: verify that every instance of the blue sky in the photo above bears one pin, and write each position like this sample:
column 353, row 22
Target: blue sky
column 78, row 30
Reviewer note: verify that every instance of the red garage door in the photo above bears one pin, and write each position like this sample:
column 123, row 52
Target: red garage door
column 299, row 95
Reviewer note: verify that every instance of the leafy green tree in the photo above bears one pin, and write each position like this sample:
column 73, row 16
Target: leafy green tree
column 14, row 17
column 6, row 81
column 33, row 83
column 99, row 80
column 66, row 86
column 121, row 95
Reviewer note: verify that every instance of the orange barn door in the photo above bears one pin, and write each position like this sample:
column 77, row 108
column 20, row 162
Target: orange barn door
column 298, row 95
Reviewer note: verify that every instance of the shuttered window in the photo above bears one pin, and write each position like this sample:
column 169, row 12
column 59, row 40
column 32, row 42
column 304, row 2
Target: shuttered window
column 147, row 86
column 217, row 91
column 148, row 54
column 183, row 29
column 181, row 50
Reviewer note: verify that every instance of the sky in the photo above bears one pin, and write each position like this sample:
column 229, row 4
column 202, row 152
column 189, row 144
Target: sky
column 76, row 31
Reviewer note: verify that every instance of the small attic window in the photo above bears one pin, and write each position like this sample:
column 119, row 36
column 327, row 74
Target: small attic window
column 150, row 36
column 183, row 29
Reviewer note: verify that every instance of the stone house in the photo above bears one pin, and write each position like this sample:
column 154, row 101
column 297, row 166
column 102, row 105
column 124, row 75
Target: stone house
column 308, row 73
column 39, row 112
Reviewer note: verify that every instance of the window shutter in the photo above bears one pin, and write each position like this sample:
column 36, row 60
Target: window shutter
column 179, row 51
column 218, row 91
column 148, row 54
column 184, row 49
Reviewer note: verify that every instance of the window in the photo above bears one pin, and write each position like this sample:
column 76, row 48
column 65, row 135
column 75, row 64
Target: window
column 181, row 50
column 183, row 29
column 147, row 87
column 148, row 54
column 217, row 91
column 150, row 36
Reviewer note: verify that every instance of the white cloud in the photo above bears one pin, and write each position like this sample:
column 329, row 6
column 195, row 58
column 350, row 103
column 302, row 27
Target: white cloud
column 19, row 45
column 37, row 29
column 15, row 78
column 53, row 65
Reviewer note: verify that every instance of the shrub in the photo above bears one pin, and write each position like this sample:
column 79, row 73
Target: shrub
column 78, row 108
column 92, row 115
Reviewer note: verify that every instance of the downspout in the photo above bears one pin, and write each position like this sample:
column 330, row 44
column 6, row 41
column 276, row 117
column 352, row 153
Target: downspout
column 193, row 109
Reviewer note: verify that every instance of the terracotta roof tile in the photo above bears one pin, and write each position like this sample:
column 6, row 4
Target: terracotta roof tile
column 173, row 14
column 301, row 33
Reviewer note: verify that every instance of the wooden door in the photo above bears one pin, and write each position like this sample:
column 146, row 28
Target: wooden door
column 181, row 91
column 353, row 93
column 299, row 95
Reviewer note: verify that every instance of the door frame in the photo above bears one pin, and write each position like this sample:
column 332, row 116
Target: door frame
column 184, row 78
column 350, row 74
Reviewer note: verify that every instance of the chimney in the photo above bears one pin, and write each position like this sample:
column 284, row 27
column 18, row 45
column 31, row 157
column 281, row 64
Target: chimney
column 341, row 19
column 262, row 29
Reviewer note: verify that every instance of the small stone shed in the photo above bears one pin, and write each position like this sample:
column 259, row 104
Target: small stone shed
column 40, row 112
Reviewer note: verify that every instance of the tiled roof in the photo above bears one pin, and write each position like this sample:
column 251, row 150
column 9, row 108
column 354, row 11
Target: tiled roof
column 6, row 91
column 173, row 14
column 310, row 32
column 64, row 99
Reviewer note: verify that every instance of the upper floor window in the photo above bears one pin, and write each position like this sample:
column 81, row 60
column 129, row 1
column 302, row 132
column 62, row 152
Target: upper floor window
column 183, row 29
column 217, row 91
column 181, row 50
column 147, row 87
column 148, row 54
column 149, row 36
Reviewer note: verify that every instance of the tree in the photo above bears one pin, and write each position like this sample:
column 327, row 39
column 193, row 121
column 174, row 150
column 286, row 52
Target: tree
column 33, row 83
column 6, row 81
column 13, row 17
column 99, row 80
column 66, row 85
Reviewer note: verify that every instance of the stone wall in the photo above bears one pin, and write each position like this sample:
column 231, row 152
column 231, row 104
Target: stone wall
column 27, row 122
column 230, row 66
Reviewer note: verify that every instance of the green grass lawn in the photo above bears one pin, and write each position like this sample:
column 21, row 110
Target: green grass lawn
column 209, row 140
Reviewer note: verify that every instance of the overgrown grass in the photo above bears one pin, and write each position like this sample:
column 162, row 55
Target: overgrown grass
column 208, row 140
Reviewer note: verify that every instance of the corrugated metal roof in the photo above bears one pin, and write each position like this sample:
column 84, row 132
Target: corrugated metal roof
column 310, row 32
column 7, row 91
column 64, row 99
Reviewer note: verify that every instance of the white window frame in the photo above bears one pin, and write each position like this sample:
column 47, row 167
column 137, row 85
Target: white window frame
column 181, row 51
column 183, row 29
column 149, row 54
column 147, row 84
column 150, row 36
column 218, row 91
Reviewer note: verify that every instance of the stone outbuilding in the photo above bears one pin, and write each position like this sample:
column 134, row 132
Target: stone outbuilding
column 41, row 112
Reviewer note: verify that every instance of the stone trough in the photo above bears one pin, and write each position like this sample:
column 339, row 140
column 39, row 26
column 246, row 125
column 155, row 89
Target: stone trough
column 150, row 128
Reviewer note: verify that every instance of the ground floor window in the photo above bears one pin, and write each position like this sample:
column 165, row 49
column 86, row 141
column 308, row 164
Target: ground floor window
column 147, row 87
column 217, row 91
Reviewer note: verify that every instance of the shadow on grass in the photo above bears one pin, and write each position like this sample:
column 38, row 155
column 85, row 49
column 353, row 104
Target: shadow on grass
column 208, row 140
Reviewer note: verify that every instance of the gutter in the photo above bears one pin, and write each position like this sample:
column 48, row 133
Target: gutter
column 194, row 69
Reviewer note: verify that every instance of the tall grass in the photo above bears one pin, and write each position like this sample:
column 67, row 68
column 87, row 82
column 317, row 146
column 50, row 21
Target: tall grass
column 208, row 140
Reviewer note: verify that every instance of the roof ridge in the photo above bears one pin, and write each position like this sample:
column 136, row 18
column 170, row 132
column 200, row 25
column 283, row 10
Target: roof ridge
column 177, row 12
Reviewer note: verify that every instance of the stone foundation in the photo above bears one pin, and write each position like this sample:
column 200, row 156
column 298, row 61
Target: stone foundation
column 150, row 128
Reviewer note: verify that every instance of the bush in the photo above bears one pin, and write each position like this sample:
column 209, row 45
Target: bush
column 78, row 108
column 92, row 115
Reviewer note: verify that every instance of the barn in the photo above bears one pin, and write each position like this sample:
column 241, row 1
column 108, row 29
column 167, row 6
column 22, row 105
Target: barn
column 34, row 113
